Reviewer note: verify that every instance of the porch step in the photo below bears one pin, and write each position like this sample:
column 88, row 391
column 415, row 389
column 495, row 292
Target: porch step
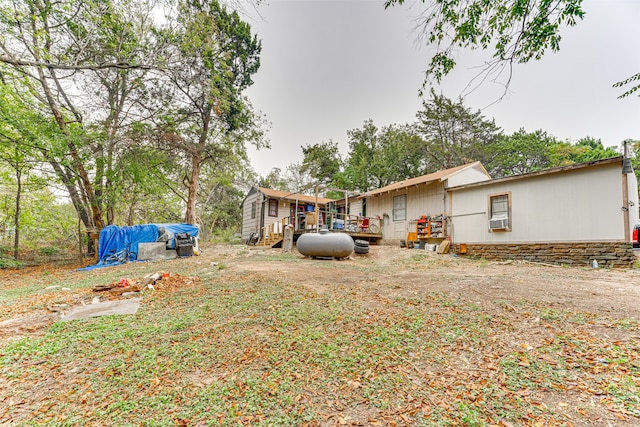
column 272, row 241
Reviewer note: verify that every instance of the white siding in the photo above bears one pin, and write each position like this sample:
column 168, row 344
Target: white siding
column 579, row 205
column 468, row 176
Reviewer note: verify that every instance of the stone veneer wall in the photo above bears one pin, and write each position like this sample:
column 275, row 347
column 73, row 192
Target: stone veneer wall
column 608, row 254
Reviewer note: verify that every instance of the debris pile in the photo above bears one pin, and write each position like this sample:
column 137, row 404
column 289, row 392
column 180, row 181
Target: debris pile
column 129, row 289
column 160, row 281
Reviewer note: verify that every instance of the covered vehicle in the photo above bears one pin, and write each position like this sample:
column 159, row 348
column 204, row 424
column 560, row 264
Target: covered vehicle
column 118, row 245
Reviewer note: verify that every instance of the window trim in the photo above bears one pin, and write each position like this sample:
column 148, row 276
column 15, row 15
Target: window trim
column 490, row 213
column 273, row 207
column 404, row 209
column 254, row 205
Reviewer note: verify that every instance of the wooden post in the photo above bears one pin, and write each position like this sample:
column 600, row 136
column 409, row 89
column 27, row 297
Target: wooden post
column 317, row 211
column 346, row 206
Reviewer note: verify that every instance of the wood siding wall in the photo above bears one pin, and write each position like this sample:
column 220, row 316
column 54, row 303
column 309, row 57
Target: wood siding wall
column 284, row 210
column 424, row 199
column 251, row 224
column 355, row 207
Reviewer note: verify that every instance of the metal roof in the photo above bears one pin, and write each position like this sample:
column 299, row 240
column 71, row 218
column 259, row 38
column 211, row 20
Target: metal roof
column 287, row 195
column 425, row 179
column 543, row 172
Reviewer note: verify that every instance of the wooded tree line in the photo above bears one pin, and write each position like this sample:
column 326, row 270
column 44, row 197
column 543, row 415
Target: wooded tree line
column 131, row 109
column 445, row 134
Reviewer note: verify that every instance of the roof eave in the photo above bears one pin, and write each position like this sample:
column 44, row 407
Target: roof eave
column 543, row 172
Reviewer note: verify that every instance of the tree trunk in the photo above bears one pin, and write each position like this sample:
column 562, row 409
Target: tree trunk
column 190, row 217
column 16, row 221
column 80, row 170
column 80, row 238
column 76, row 198
column 131, row 212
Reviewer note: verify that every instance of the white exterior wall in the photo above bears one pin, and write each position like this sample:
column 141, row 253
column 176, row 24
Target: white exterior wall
column 579, row 205
column 250, row 224
column 421, row 200
column 468, row 176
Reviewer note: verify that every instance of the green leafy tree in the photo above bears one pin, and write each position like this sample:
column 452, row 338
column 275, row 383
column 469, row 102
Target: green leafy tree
column 321, row 161
column 524, row 152
column 225, row 182
column 521, row 152
column 225, row 186
column 360, row 167
column 20, row 130
column 403, row 153
column 61, row 54
column 146, row 189
column 124, row 34
column 516, row 31
column 381, row 156
column 214, row 58
column 454, row 134
column 632, row 84
column 584, row 150
column 588, row 149
column 275, row 180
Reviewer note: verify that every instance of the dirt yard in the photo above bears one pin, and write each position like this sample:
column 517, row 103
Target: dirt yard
column 397, row 272
column 391, row 272
column 533, row 301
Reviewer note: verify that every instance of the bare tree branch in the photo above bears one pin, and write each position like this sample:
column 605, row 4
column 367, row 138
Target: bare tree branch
column 49, row 65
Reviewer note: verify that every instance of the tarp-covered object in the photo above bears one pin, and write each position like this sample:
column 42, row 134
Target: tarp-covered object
column 120, row 244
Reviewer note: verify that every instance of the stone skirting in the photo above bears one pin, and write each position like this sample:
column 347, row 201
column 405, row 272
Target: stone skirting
column 607, row 254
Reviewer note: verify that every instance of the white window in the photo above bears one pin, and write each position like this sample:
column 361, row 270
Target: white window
column 500, row 212
column 253, row 210
column 400, row 207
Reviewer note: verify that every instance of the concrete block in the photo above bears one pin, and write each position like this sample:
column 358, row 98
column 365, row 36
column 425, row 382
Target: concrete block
column 155, row 251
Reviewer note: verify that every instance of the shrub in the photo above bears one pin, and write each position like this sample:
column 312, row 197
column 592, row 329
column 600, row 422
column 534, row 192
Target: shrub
column 7, row 262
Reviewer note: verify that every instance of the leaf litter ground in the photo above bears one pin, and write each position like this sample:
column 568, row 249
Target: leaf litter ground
column 394, row 338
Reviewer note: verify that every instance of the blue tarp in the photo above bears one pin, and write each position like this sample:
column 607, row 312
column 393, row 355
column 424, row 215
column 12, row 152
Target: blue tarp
column 120, row 244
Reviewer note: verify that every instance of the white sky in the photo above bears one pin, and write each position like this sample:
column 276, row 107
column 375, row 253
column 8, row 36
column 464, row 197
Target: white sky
column 327, row 66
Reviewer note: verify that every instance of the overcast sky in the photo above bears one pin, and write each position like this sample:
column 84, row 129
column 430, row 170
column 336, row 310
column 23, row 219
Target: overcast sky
column 327, row 66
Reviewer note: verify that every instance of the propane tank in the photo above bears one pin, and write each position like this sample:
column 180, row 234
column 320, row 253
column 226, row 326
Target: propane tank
column 325, row 244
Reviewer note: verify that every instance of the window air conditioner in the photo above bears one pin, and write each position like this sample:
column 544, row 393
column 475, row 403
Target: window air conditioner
column 498, row 223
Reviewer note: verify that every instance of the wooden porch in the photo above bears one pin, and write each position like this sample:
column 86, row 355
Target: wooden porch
column 358, row 227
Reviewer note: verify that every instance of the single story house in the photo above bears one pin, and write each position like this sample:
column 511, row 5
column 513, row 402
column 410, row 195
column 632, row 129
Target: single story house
column 571, row 215
column 401, row 205
column 265, row 209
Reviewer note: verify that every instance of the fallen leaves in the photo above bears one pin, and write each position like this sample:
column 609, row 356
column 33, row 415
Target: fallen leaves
column 247, row 348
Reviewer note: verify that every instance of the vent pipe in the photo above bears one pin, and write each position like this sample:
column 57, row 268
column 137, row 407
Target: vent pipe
column 626, row 162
